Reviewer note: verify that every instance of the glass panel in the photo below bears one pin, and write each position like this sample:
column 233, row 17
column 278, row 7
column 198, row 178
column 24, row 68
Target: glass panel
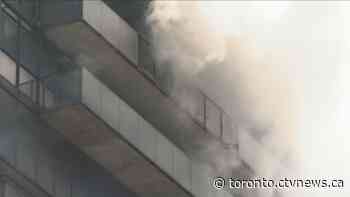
column 26, row 159
column 29, row 88
column 47, row 98
column 30, row 52
column 165, row 154
column 129, row 125
column 165, row 77
column 90, row 92
column 11, row 191
column 46, row 60
column 62, row 88
column 182, row 168
column 113, row 28
column 7, row 68
column 24, row 76
column 27, row 84
column 92, row 12
column 62, row 183
column 14, row 4
column 45, row 172
column 197, row 110
column 109, row 107
column 201, row 175
column 109, row 25
column 7, row 145
column 196, row 177
column 192, row 100
column 148, row 137
column 28, row 9
column 58, row 12
column 146, row 61
column 8, row 34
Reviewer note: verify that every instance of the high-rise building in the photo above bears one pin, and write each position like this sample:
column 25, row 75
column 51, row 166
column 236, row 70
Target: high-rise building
column 86, row 111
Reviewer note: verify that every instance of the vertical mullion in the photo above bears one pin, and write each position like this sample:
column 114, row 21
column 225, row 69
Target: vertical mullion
column 18, row 53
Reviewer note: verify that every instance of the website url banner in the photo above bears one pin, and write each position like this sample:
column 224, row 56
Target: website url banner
column 231, row 183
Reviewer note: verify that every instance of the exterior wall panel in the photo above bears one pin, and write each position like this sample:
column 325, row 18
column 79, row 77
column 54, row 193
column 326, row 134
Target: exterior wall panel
column 109, row 107
column 45, row 172
column 182, row 168
column 8, row 148
column 147, row 142
column 92, row 12
column 165, row 154
column 113, row 28
column 7, row 68
column 8, row 34
column 26, row 159
column 11, row 191
column 129, row 123
column 90, row 92
column 62, row 182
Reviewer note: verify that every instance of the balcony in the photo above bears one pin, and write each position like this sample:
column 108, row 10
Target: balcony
column 100, row 123
column 43, row 163
column 116, row 136
column 95, row 37
column 64, row 92
column 10, row 188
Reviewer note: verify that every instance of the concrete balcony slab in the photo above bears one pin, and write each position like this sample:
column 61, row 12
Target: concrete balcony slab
column 83, row 128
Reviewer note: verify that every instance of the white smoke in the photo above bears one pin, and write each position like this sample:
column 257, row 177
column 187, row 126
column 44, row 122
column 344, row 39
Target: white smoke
column 182, row 36
column 279, row 63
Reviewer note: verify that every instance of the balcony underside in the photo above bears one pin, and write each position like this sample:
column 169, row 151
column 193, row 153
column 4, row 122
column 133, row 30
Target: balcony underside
column 89, row 49
column 100, row 142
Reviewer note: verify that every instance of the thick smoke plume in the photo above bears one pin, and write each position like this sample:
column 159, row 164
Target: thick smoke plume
column 273, row 66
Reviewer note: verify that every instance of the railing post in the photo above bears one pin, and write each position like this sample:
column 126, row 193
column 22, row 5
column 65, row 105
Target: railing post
column 18, row 52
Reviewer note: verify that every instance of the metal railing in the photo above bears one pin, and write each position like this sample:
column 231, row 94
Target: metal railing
column 199, row 106
column 31, row 66
column 50, row 90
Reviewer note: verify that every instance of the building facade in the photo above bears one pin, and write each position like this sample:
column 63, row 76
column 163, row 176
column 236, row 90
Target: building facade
column 86, row 111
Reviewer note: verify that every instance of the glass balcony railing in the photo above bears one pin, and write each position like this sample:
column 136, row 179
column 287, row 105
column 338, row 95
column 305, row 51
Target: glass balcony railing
column 28, row 9
column 137, row 131
column 27, row 63
column 18, row 42
column 11, row 189
column 34, row 155
column 121, row 36
column 54, row 90
column 202, row 109
column 115, row 112
column 35, row 59
column 50, row 88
